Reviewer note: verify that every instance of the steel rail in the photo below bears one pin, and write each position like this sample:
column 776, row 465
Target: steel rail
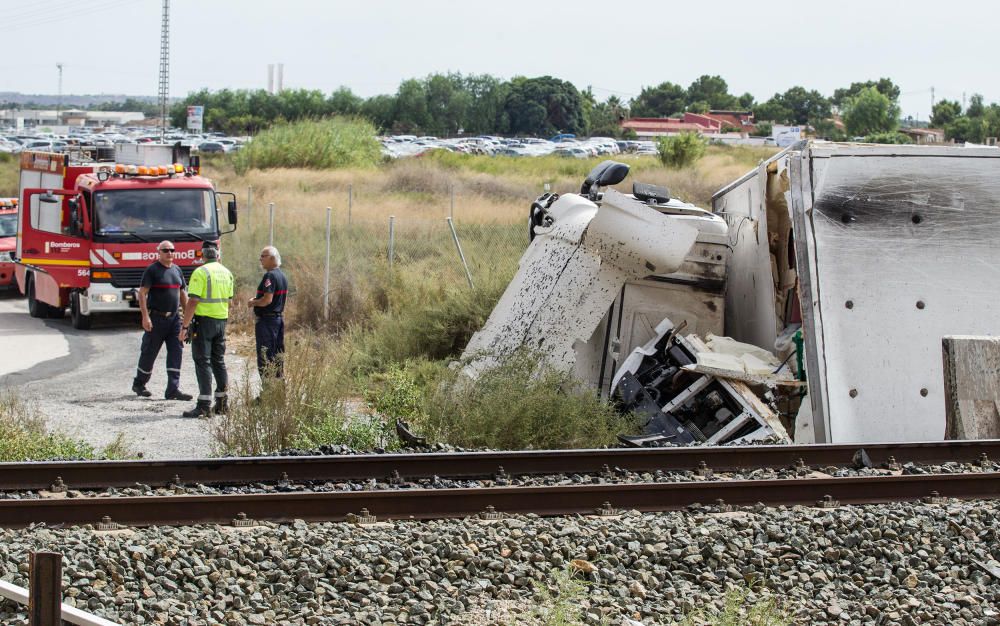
column 445, row 503
column 244, row 470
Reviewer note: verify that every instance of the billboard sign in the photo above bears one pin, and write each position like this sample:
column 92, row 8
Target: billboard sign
column 195, row 116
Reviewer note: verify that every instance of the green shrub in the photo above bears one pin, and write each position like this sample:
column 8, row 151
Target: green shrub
column 682, row 150
column 9, row 168
column 519, row 404
column 426, row 319
column 312, row 392
column 24, row 436
column 315, row 144
column 889, row 137
column 363, row 433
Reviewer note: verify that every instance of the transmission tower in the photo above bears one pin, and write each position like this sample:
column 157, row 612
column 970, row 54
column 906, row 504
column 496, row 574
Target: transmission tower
column 59, row 99
column 164, row 68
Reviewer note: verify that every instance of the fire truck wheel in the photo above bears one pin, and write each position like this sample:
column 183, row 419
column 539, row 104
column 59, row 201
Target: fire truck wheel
column 78, row 319
column 35, row 308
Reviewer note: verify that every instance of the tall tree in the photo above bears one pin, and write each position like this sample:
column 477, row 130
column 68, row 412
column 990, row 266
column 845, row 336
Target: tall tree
column 796, row 106
column 344, row 102
column 543, row 106
column 664, row 100
column 885, row 86
column 870, row 112
column 411, row 115
column 712, row 90
column 944, row 112
column 976, row 108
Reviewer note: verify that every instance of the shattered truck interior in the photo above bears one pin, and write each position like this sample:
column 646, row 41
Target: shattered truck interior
column 808, row 305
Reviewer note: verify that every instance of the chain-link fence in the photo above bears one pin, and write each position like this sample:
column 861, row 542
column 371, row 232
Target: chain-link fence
column 338, row 257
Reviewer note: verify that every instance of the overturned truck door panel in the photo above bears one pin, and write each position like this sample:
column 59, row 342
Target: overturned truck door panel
column 904, row 244
column 894, row 248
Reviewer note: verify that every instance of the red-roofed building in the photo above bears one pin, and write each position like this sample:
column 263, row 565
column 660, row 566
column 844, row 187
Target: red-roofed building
column 710, row 123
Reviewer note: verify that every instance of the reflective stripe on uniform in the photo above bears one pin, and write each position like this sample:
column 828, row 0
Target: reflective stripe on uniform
column 144, row 371
column 220, row 394
column 204, row 398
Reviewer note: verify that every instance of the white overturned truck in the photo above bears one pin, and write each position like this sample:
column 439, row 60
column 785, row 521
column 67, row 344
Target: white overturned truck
column 848, row 262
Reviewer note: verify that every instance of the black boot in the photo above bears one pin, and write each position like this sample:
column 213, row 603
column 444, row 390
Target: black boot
column 202, row 409
column 140, row 390
column 221, row 405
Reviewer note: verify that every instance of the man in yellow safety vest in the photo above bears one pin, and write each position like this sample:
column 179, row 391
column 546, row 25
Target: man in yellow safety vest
column 209, row 292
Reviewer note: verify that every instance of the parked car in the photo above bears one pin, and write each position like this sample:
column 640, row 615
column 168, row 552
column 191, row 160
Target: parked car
column 211, row 147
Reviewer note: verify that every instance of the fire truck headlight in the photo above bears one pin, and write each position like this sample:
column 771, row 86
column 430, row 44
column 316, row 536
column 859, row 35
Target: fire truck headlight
column 104, row 297
column 5, row 257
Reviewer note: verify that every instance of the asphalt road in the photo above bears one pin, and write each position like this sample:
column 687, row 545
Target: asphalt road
column 81, row 381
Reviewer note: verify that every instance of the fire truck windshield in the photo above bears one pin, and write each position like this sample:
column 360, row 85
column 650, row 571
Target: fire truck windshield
column 8, row 224
column 127, row 212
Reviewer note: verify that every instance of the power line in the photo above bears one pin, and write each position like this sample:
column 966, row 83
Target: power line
column 62, row 15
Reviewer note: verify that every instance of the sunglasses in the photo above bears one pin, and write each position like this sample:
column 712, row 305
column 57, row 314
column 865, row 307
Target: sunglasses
column 170, row 250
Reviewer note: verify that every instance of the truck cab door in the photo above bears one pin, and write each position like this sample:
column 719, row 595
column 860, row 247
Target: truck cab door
column 54, row 238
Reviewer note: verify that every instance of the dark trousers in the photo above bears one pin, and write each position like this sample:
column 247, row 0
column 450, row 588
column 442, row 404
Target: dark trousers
column 208, row 347
column 270, row 334
column 165, row 330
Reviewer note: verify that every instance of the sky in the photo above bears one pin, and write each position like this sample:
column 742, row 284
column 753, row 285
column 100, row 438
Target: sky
column 370, row 46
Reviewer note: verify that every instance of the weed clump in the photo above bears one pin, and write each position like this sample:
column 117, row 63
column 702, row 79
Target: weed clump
column 315, row 144
column 25, row 437
column 519, row 404
column 682, row 150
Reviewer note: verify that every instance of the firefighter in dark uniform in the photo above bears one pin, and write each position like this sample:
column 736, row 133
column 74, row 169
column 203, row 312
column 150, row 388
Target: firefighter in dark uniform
column 162, row 293
column 205, row 316
column 269, row 307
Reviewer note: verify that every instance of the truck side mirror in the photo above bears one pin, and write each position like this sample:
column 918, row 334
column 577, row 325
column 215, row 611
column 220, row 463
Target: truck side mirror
column 231, row 207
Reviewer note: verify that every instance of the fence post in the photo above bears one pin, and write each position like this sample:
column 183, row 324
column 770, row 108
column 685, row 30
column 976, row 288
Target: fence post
column 45, row 589
column 392, row 239
column 350, row 202
column 270, row 219
column 326, row 290
column 461, row 255
column 250, row 212
column 451, row 211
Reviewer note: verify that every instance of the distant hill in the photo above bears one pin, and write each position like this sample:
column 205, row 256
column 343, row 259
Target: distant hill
column 68, row 100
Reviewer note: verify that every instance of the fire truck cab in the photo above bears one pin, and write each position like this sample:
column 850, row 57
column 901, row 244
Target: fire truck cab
column 87, row 229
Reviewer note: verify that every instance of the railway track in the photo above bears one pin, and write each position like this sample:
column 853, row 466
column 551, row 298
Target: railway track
column 425, row 503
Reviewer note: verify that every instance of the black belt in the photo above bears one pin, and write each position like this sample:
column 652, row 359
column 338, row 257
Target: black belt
column 269, row 315
column 163, row 313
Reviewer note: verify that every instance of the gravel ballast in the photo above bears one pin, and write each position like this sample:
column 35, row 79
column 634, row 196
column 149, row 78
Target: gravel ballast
column 877, row 564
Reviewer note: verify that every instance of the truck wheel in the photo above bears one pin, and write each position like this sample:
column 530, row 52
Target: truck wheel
column 76, row 316
column 35, row 308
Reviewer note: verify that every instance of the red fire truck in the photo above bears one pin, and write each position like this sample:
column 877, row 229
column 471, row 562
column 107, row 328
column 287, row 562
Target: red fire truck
column 8, row 232
column 87, row 228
